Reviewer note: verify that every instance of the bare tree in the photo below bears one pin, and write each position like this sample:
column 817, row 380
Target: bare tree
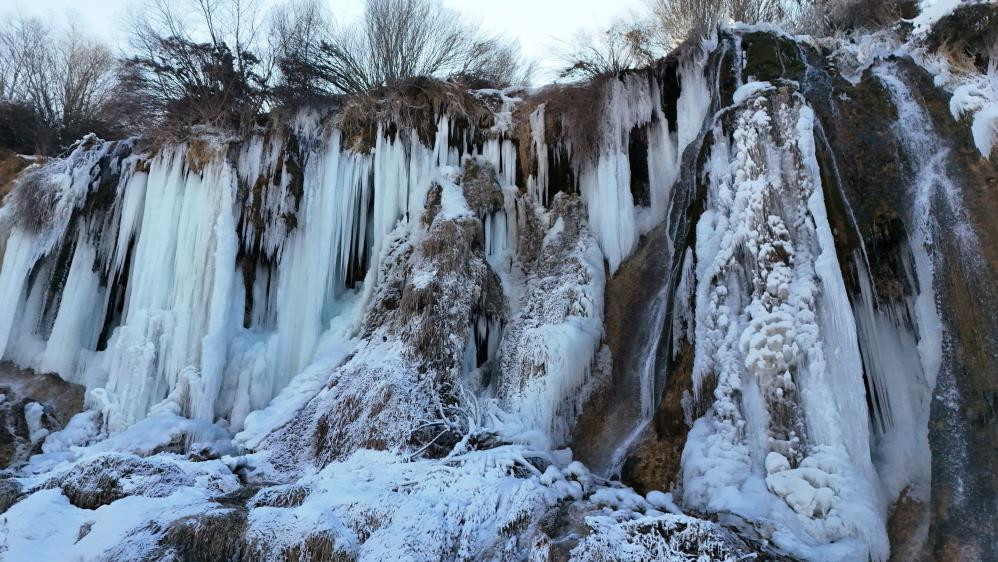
column 590, row 55
column 20, row 38
column 62, row 78
column 830, row 16
column 70, row 83
column 679, row 20
column 755, row 11
column 196, row 63
column 298, row 29
column 398, row 40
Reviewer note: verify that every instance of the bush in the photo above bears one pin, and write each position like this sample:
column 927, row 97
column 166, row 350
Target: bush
column 971, row 33
column 833, row 16
column 195, row 65
column 20, row 128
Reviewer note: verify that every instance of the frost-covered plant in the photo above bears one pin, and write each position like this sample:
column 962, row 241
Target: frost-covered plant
column 833, row 16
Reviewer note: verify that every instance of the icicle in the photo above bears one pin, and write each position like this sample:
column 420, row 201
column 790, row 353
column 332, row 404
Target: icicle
column 77, row 324
column 19, row 257
column 605, row 181
column 537, row 186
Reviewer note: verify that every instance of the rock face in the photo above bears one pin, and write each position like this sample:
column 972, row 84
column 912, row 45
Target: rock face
column 870, row 173
column 725, row 306
column 964, row 425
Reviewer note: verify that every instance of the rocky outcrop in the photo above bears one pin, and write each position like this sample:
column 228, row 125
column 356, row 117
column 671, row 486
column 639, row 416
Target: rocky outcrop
column 31, row 407
column 399, row 387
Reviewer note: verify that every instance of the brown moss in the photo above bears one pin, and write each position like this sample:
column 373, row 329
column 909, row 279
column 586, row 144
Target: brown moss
column 571, row 113
column 655, row 462
column 433, row 202
column 280, row 496
column 10, row 493
column 907, row 523
column 610, row 414
column 11, row 165
column 481, row 188
column 968, row 35
column 218, row 535
column 199, row 154
column 143, row 165
column 413, row 105
column 61, row 400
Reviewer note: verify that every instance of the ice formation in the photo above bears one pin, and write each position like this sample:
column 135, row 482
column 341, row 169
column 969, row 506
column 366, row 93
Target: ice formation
column 206, row 311
column 306, row 343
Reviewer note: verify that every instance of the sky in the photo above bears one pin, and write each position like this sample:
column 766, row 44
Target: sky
column 538, row 24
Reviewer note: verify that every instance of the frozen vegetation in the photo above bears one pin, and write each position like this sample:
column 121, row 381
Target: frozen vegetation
column 309, row 344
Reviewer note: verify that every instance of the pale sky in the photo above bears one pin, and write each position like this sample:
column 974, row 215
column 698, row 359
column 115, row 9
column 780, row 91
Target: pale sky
column 538, row 24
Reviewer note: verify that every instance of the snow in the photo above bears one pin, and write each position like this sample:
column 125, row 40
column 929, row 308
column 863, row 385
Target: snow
column 550, row 345
column 981, row 103
column 664, row 537
column 985, row 129
column 33, row 412
column 452, row 202
column 29, row 531
column 750, row 89
column 80, row 430
column 931, row 11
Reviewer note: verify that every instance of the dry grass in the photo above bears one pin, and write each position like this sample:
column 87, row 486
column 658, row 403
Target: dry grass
column 968, row 37
column 317, row 547
column 413, row 105
column 280, row 496
column 570, row 119
column 99, row 482
column 219, row 535
column 200, row 153
column 32, row 200
column 10, row 166
column 10, row 492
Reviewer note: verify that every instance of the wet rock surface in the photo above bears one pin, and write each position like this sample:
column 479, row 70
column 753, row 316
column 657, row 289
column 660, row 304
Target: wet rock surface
column 963, row 428
column 612, row 412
